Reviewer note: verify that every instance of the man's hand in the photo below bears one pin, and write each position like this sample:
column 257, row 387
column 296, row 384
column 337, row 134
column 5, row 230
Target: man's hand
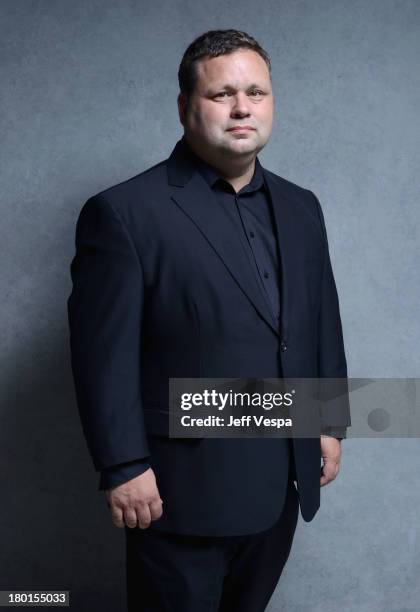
column 136, row 502
column 331, row 455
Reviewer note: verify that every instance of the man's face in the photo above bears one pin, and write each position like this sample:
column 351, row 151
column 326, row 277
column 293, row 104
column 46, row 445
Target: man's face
column 231, row 91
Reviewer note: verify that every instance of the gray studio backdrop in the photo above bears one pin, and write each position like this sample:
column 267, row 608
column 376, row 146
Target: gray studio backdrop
column 89, row 99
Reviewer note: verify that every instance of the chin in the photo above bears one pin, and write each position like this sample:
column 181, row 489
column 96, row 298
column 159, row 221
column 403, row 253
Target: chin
column 244, row 146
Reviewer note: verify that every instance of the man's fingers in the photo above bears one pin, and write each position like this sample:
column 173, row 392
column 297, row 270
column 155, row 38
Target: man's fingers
column 143, row 516
column 130, row 517
column 140, row 516
column 330, row 470
column 156, row 510
column 149, row 512
column 117, row 516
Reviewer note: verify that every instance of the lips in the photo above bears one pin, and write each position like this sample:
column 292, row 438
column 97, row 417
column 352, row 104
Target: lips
column 240, row 128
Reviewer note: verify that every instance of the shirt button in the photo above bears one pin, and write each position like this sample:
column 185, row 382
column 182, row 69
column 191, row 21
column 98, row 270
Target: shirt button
column 266, row 274
column 252, row 234
column 283, row 346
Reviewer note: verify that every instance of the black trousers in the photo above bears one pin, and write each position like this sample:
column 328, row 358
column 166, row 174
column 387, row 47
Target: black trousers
column 178, row 573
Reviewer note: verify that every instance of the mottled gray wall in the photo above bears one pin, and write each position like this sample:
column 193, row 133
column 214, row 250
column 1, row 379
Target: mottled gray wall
column 89, row 99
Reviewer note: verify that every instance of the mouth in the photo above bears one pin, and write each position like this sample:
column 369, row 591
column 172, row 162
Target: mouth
column 241, row 128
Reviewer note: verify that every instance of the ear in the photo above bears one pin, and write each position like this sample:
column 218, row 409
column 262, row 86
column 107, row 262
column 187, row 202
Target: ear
column 182, row 107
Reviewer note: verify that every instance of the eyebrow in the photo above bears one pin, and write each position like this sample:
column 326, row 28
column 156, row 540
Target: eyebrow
column 227, row 86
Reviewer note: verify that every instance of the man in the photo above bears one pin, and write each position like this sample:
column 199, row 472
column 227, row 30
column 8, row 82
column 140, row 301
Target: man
column 205, row 265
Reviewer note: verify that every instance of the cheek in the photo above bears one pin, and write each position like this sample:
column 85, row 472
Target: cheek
column 266, row 117
column 214, row 115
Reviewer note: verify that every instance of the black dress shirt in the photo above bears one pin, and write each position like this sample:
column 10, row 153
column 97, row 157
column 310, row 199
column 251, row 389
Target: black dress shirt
column 251, row 212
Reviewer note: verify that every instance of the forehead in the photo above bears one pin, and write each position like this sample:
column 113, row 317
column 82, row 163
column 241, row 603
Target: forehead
column 237, row 68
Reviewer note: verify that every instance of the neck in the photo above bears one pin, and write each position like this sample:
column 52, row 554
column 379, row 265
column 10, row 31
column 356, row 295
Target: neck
column 236, row 171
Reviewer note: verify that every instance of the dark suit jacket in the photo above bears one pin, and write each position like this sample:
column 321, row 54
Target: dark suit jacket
column 162, row 287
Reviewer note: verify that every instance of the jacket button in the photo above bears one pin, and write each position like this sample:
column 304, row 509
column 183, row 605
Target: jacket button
column 283, row 346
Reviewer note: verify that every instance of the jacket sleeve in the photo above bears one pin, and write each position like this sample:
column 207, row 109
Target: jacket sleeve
column 118, row 474
column 335, row 410
column 104, row 312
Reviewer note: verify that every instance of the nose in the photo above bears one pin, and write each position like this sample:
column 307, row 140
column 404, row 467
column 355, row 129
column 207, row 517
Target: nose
column 240, row 106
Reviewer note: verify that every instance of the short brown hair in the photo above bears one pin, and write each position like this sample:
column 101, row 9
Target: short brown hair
column 212, row 44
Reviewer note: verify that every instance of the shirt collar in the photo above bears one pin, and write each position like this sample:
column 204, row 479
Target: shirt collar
column 211, row 175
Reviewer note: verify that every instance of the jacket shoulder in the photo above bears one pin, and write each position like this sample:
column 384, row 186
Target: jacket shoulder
column 288, row 185
column 136, row 185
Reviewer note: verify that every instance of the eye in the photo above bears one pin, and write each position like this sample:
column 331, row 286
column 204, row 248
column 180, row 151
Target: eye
column 222, row 94
column 256, row 92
